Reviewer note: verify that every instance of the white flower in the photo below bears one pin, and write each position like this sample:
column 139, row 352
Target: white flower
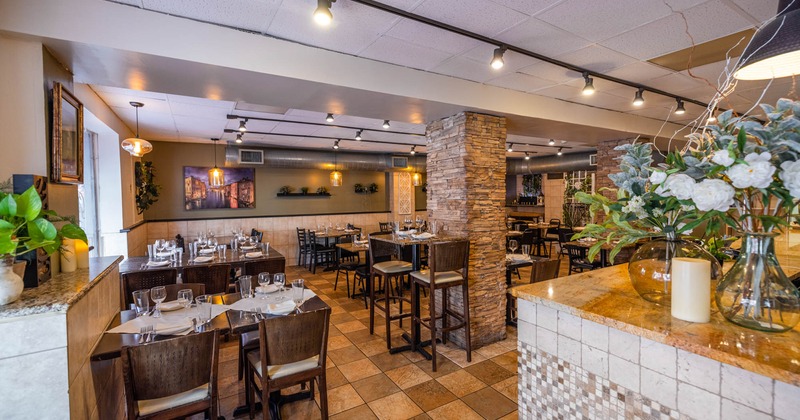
column 657, row 177
column 713, row 194
column 790, row 175
column 723, row 157
column 679, row 185
column 757, row 172
column 636, row 206
column 578, row 185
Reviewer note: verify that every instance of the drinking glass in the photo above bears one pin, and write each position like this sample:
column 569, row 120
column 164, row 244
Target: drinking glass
column 526, row 249
column 253, row 240
column 185, row 297
column 298, row 287
column 203, row 309
column 512, row 245
column 279, row 279
column 158, row 294
column 263, row 281
column 245, row 286
column 159, row 246
column 407, row 223
column 171, row 245
column 141, row 301
column 419, row 221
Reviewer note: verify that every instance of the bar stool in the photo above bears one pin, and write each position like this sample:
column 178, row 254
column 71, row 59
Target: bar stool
column 384, row 267
column 449, row 266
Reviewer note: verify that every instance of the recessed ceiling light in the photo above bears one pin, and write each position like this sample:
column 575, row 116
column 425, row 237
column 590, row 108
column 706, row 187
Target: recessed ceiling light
column 588, row 86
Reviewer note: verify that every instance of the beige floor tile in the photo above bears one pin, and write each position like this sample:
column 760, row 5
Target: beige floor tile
column 362, row 412
column 375, row 387
column 489, row 403
column 343, row 398
column 408, row 376
column 429, row 395
column 387, row 361
column 372, row 347
column 455, row 410
column 461, row 383
column 351, row 326
column 359, row 369
column 345, row 355
column 507, row 361
column 338, row 342
column 492, row 350
column 396, row 406
column 489, row 372
column 508, row 387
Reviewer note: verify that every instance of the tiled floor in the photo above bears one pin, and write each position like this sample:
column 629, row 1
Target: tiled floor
column 366, row 382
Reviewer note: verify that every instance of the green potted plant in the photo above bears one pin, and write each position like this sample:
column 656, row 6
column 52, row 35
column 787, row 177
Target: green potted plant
column 373, row 188
column 146, row 188
column 285, row 190
column 322, row 191
column 304, row 190
column 26, row 227
column 359, row 189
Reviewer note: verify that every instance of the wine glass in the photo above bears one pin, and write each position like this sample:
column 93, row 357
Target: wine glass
column 185, row 297
column 158, row 294
column 159, row 245
column 407, row 223
column 419, row 221
column 263, row 281
column 513, row 245
column 279, row 279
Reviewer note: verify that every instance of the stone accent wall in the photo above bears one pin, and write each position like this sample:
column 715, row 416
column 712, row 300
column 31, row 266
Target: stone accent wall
column 466, row 195
column 606, row 164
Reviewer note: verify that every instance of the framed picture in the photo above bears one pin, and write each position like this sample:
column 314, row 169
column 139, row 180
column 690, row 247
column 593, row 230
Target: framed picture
column 239, row 191
column 67, row 159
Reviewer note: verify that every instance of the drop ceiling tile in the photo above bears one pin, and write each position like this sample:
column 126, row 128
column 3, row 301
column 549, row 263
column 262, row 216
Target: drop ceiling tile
column 550, row 72
column 602, row 100
column 209, row 112
column 199, row 127
column 639, row 71
column 200, row 101
column 465, row 68
column 529, row 7
column 289, row 128
column 760, row 10
column 244, row 14
column 520, row 81
column 137, row 3
column 669, row 34
column 478, row 16
column 674, row 83
column 600, row 20
column 558, row 91
column 422, row 34
column 392, row 50
column 597, row 58
column 542, row 38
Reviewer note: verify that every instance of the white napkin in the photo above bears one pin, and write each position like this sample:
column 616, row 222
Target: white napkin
column 203, row 259
column 163, row 254
column 158, row 263
column 247, row 247
column 170, row 306
column 254, row 255
column 250, row 303
column 270, row 288
column 206, row 251
column 423, row 235
column 518, row 257
column 282, row 308
column 168, row 320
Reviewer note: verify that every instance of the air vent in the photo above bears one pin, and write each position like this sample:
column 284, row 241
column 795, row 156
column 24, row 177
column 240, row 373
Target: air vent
column 251, row 157
column 593, row 160
column 399, row 162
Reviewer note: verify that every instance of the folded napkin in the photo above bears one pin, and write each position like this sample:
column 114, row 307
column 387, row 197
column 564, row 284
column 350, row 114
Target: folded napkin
column 423, row 235
column 169, row 320
column 361, row 242
column 250, row 303
column 177, row 328
column 518, row 257
column 514, row 231
column 247, row 247
column 158, row 263
column 206, row 251
column 254, row 255
column 203, row 259
column 163, row 254
column 270, row 288
column 170, row 306
column 282, row 308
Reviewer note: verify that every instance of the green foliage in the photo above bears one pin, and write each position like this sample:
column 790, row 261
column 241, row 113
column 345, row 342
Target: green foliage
column 285, row 189
column 304, row 190
column 322, row 190
column 147, row 190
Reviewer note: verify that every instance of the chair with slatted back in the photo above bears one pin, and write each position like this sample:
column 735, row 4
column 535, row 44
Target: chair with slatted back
column 541, row 270
column 386, row 264
column 216, row 277
column 578, row 259
column 302, row 247
column 198, row 289
column 292, row 350
column 148, row 279
column 258, row 234
column 319, row 253
column 449, row 267
column 172, row 378
column 385, row 227
column 551, row 235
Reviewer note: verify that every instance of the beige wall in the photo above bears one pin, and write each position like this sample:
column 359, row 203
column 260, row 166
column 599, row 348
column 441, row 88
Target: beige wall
column 553, row 198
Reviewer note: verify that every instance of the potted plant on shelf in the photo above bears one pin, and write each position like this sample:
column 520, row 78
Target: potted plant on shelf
column 322, row 191
column 26, row 227
column 304, row 190
column 373, row 188
column 285, row 190
column 359, row 189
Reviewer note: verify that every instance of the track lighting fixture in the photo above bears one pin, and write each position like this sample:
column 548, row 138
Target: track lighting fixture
column 712, row 119
column 336, row 144
column 588, row 84
column 137, row 146
column 413, row 150
column 497, row 58
column 559, row 152
column 774, row 50
column 510, row 147
column 322, row 14
column 329, row 117
column 239, row 138
column 386, row 124
column 638, row 99
column 358, row 134
column 680, row 109
column 243, row 125
column 551, row 142
column 527, row 157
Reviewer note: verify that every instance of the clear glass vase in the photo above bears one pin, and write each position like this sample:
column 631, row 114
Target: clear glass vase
column 649, row 267
column 755, row 292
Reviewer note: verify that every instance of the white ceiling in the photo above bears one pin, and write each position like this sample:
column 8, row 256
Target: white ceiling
column 612, row 37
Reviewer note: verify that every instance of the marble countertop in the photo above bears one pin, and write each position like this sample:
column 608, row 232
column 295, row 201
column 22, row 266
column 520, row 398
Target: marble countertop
column 61, row 291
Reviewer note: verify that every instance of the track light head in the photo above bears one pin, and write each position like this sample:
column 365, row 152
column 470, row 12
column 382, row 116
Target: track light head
column 322, row 14
column 358, row 134
column 638, row 99
column 559, row 152
column 551, row 142
column 386, row 124
column 336, row 144
column 239, row 138
column 680, row 109
column 588, row 84
column 510, row 147
column 329, row 117
column 527, row 157
column 243, row 125
column 712, row 118
column 497, row 58
column 413, row 150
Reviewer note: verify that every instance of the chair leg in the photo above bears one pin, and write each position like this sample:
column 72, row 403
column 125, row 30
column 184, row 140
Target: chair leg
column 250, row 393
column 241, row 359
column 323, row 396
column 311, row 390
column 371, row 304
column 399, row 283
column 445, row 316
column 347, row 283
column 265, row 412
column 468, row 339
column 336, row 282
column 432, row 312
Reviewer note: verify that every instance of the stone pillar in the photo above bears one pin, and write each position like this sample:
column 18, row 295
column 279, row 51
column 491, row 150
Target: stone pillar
column 607, row 164
column 466, row 194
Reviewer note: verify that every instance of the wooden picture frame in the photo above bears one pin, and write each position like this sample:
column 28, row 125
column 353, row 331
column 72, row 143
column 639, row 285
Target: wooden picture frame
column 67, row 147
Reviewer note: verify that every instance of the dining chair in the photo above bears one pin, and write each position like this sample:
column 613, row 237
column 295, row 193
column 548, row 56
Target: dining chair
column 292, row 350
column 302, row 247
column 148, row 279
column 254, row 268
column 198, row 289
column 172, row 378
column 258, row 234
column 216, row 277
column 248, row 340
column 319, row 253
column 551, row 234
column 578, row 261
column 385, row 227
column 564, row 236
column 541, row 270
column 386, row 264
column 449, row 267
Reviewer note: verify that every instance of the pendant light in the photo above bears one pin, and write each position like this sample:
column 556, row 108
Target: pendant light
column 416, row 177
column 216, row 176
column 774, row 50
column 137, row 146
column 336, row 176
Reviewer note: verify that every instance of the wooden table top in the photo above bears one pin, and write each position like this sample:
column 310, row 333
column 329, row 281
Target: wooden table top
column 134, row 264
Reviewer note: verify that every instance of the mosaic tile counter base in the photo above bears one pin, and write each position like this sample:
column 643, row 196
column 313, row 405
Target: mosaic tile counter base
column 553, row 388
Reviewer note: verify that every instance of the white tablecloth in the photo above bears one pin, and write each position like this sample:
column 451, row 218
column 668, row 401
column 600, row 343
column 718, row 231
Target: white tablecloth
column 180, row 320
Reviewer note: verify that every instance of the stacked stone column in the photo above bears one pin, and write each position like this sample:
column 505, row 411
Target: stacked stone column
column 466, row 195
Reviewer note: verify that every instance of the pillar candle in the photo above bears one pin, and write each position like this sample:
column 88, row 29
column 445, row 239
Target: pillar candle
column 691, row 289
column 82, row 253
column 69, row 261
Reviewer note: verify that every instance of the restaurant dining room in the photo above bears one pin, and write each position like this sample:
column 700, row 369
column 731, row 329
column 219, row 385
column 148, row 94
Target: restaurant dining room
column 386, row 209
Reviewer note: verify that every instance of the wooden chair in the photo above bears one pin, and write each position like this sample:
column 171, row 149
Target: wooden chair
column 383, row 269
column 319, row 253
column 449, row 267
column 385, row 227
column 254, row 268
column 302, row 247
column 172, row 378
column 564, row 236
column 292, row 350
column 198, row 289
column 216, row 277
column 578, row 261
column 551, row 235
column 138, row 280
column 258, row 234
column 544, row 269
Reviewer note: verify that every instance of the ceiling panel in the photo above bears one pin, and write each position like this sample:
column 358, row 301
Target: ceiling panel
column 542, row 38
column 528, row 7
column 639, row 71
column 597, row 58
column 421, row 34
column 760, row 10
column 199, row 127
column 396, row 51
column 245, row 14
column 192, row 110
column 478, row 16
column 520, row 81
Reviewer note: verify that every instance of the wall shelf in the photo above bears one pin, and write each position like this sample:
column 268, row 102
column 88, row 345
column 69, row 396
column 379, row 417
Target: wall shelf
column 303, row 195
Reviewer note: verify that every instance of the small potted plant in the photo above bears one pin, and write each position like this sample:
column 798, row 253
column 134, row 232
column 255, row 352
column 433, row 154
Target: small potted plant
column 285, row 190
column 373, row 188
column 26, row 227
column 359, row 189
column 304, row 190
column 322, row 191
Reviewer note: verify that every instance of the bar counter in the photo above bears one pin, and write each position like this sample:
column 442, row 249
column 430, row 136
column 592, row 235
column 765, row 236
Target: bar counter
column 590, row 344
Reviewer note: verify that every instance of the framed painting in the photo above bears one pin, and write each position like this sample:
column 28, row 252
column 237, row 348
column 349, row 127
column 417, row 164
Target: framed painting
column 67, row 147
column 239, row 191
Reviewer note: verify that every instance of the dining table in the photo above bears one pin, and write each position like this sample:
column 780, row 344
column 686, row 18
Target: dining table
column 604, row 249
column 235, row 258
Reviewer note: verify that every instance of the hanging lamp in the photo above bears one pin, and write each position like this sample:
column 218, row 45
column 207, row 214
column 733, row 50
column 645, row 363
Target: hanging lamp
column 137, row 146
column 216, row 176
column 774, row 50
column 336, row 176
column 416, row 177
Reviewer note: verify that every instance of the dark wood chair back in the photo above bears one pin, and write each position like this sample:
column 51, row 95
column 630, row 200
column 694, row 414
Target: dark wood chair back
column 385, row 227
column 555, row 226
column 146, row 280
column 295, row 337
column 301, row 238
column 257, row 233
column 380, row 251
column 198, row 289
column 254, row 268
column 216, row 277
column 545, row 270
column 449, row 256
column 168, row 367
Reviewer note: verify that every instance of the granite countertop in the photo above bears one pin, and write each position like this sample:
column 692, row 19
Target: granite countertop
column 61, row 291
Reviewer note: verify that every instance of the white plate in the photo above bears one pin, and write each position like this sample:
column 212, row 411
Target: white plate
column 203, row 259
column 170, row 306
column 270, row 288
column 282, row 308
column 253, row 255
column 247, row 247
column 206, row 251
column 158, row 263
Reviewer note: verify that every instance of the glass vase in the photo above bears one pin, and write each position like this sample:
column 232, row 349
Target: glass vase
column 755, row 293
column 649, row 267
